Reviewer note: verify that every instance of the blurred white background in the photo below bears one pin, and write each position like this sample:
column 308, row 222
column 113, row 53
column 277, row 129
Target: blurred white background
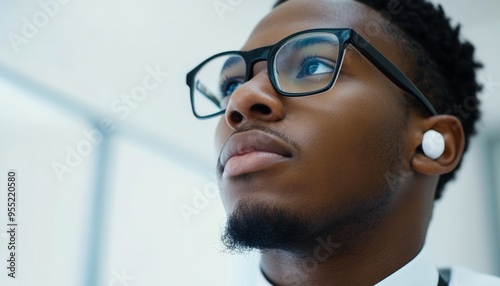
column 137, row 205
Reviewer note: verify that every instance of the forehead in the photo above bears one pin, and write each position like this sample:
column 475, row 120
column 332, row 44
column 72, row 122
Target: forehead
column 298, row 15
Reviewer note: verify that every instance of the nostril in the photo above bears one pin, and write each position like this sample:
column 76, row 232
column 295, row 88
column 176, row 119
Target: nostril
column 261, row 108
column 236, row 117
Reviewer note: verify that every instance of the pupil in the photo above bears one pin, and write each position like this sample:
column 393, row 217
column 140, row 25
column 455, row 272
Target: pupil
column 232, row 87
column 313, row 68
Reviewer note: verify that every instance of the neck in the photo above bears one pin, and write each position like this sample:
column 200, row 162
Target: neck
column 362, row 266
column 381, row 252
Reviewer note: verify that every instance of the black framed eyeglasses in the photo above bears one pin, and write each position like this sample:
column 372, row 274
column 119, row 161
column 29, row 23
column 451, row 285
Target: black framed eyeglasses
column 304, row 63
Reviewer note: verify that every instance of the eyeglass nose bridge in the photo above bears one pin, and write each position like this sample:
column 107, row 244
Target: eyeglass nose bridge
column 255, row 56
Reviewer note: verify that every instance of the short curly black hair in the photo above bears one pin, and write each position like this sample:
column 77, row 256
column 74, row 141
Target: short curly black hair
column 444, row 65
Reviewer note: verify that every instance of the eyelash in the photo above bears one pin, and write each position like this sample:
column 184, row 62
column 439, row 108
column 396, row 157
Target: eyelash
column 318, row 58
column 225, row 81
column 307, row 58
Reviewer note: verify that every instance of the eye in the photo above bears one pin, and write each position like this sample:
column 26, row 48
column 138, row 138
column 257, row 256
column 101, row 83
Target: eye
column 310, row 66
column 229, row 84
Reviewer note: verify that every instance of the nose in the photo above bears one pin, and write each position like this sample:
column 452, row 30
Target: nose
column 255, row 100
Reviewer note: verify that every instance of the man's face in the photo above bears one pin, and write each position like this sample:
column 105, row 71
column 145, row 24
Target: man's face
column 328, row 158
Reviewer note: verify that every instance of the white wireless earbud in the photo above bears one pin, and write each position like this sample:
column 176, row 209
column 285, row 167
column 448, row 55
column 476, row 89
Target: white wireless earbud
column 433, row 144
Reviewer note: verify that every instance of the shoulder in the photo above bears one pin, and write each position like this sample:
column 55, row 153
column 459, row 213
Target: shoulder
column 465, row 277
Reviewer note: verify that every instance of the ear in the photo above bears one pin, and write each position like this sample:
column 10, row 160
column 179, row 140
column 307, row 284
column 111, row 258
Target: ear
column 453, row 133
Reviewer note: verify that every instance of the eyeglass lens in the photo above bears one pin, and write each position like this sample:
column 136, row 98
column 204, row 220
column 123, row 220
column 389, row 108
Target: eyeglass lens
column 303, row 64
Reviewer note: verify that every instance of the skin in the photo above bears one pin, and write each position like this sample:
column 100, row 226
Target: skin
column 345, row 140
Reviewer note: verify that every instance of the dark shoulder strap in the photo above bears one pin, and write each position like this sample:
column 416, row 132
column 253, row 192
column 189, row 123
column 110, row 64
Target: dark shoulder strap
column 444, row 277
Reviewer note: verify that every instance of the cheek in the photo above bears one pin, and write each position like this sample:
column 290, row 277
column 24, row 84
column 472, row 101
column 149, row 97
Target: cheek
column 349, row 143
column 222, row 133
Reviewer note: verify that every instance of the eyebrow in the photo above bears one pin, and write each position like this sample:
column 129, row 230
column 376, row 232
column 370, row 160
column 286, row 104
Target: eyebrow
column 231, row 62
column 297, row 44
column 302, row 43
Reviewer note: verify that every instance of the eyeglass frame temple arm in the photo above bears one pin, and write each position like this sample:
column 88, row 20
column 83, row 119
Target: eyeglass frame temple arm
column 389, row 69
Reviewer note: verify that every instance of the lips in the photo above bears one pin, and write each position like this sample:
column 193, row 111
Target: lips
column 252, row 151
